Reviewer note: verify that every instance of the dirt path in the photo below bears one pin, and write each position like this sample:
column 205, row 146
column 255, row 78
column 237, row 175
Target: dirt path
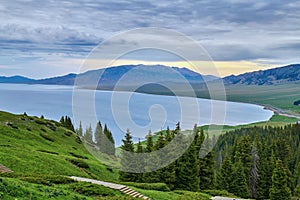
column 119, row 187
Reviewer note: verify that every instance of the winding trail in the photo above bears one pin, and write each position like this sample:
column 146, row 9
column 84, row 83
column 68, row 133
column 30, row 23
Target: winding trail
column 122, row 188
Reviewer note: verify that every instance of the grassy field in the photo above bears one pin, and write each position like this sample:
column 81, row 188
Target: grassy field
column 280, row 96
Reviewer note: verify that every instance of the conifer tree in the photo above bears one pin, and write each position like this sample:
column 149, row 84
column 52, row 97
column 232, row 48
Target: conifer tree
column 88, row 136
column 108, row 142
column 127, row 161
column 187, row 176
column 98, row 135
column 279, row 189
column 79, row 131
column 224, row 177
column 149, row 142
column 239, row 185
column 206, row 164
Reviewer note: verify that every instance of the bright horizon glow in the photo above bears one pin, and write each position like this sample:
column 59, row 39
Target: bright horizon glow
column 73, row 65
column 224, row 68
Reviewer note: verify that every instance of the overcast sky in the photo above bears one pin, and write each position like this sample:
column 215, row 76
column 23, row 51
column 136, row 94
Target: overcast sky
column 48, row 38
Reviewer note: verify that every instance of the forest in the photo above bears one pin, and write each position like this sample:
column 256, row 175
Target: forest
column 254, row 162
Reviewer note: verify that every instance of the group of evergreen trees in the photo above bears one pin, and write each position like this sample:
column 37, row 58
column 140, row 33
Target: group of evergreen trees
column 66, row 122
column 260, row 162
column 101, row 138
column 257, row 162
column 189, row 172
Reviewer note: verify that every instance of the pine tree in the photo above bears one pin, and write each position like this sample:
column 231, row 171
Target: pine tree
column 187, row 176
column 98, row 134
column 79, row 131
column 243, row 154
column 108, row 142
column 62, row 121
column 224, row 177
column 206, row 164
column 141, row 163
column 88, row 136
column 149, row 143
column 127, row 161
column 169, row 136
column 239, row 185
column 279, row 189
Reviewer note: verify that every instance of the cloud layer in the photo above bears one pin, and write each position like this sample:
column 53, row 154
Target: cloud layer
column 231, row 30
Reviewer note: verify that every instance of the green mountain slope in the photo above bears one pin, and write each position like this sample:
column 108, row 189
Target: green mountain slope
column 31, row 145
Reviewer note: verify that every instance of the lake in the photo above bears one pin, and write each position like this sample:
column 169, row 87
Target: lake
column 121, row 110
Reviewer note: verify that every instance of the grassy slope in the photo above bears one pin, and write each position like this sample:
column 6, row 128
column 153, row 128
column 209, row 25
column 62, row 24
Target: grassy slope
column 24, row 150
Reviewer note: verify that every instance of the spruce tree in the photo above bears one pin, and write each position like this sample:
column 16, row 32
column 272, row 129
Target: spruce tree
column 149, row 143
column 98, row 135
column 141, row 163
column 187, row 176
column 127, row 161
column 279, row 189
column 108, row 142
column 80, row 130
column 88, row 136
column 224, row 177
column 206, row 164
column 239, row 185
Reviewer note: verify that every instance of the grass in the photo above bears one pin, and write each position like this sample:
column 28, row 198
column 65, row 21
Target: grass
column 12, row 188
column 28, row 149
column 174, row 195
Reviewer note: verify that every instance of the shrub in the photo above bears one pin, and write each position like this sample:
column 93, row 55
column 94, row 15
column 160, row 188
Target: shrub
column 68, row 133
column 89, row 189
column 28, row 129
column 78, row 156
column 44, row 130
column 149, row 186
column 79, row 163
column 47, row 179
column 47, row 137
column 78, row 140
column 40, row 121
column 187, row 195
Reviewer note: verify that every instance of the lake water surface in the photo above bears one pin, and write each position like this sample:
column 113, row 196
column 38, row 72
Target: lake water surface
column 141, row 113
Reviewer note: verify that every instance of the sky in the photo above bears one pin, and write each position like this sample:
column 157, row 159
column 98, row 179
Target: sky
column 41, row 39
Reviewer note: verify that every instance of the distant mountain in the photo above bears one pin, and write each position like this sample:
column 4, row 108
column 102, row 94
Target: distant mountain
column 136, row 75
column 278, row 75
column 15, row 79
column 130, row 75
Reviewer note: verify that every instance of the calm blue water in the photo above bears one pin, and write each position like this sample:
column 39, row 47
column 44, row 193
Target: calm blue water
column 139, row 113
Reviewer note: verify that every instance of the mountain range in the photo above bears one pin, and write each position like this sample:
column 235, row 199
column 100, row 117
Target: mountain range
column 131, row 75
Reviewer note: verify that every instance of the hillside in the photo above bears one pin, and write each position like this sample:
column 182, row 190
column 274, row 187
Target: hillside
column 274, row 76
column 33, row 145
column 42, row 154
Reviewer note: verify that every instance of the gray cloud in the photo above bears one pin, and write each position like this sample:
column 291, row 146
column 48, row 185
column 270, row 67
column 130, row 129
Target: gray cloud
column 229, row 29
